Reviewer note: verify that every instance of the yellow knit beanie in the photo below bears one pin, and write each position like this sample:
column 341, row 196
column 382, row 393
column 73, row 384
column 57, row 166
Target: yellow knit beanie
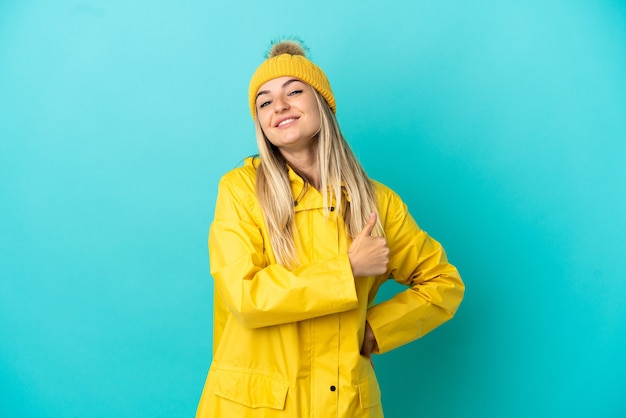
column 287, row 58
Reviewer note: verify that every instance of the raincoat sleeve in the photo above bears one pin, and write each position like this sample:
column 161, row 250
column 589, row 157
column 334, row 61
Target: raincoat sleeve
column 416, row 260
column 259, row 293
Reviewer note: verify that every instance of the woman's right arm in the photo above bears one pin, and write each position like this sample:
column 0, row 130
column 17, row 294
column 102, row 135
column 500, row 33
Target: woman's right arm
column 260, row 294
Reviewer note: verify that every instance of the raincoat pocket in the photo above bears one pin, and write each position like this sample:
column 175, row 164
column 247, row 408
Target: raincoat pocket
column 251, row 389
column 369, row 393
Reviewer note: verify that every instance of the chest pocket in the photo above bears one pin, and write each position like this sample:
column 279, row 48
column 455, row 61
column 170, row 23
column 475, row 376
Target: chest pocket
column 318, row 237
column 251, row 389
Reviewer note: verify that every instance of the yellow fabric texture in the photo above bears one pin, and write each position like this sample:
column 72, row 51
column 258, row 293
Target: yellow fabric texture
column 286, row 343
column 296, row 66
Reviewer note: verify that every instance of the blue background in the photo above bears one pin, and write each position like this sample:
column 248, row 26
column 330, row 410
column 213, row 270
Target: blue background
column 501, row 124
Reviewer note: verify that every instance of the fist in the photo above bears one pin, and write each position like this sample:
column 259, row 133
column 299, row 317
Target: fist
column 368, row 255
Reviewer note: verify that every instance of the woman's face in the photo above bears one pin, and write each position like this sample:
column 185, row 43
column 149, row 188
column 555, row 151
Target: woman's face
column 288, row 113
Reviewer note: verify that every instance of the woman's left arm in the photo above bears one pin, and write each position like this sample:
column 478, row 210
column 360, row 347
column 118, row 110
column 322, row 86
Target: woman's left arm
column 418, row 261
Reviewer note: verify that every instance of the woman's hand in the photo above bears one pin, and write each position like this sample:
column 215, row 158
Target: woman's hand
column 369, row 343
column 368, row 255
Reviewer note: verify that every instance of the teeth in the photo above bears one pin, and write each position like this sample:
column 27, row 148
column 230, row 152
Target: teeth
column 286, row 121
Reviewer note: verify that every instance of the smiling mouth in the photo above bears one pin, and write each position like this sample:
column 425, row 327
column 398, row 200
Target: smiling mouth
column 286, row 121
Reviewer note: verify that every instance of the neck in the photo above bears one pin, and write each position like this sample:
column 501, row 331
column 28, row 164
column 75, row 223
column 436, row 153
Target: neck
column 306, row 164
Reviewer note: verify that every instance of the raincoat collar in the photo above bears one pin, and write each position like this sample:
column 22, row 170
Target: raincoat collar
column 305, row 196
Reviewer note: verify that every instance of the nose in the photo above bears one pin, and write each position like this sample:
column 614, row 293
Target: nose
column 280, row 104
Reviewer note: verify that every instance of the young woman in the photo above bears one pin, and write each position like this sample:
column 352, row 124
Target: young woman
column 301, row 241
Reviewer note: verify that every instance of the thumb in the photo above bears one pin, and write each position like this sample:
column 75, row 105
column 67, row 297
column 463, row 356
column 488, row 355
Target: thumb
column 369, row 226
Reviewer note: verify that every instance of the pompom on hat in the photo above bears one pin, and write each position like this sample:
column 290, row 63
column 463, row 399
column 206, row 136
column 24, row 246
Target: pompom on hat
column 288, row 58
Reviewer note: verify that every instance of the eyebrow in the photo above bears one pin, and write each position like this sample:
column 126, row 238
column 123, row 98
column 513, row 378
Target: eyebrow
column 285, row 84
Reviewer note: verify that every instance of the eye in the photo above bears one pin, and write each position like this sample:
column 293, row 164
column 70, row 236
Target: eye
column 263, row 104
column 295, row 92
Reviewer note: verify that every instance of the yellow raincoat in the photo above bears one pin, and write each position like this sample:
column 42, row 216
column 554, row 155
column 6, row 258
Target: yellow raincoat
column 286, row 343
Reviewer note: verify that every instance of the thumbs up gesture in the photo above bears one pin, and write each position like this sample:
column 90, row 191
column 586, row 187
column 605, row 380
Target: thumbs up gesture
column 368, row 255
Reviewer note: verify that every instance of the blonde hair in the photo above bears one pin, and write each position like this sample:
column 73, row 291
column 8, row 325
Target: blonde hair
column 338, row 168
